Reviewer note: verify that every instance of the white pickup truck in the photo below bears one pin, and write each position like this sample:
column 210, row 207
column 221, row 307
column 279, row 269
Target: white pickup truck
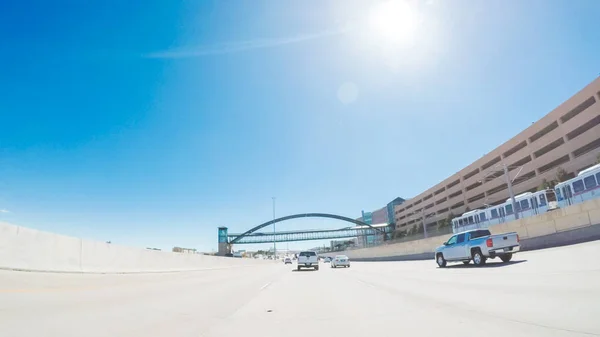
column 477, row 245
column 308, row 259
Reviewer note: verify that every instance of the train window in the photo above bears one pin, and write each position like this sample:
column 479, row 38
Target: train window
column 598, row 177
column 476, row 218
column 542, row 200
column 502, row 214
column 534, row 202
column 590, row 182
column 460, row 222
column 494, row 213
column 518, row 206
column 524, row 204
column 509, row 209
column 578, row 186
column 482, row 216
column 471, row 220
column 558, row 195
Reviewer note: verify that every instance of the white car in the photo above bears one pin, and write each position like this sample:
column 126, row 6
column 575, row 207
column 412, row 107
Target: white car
column 340, row 261
column 287, row 260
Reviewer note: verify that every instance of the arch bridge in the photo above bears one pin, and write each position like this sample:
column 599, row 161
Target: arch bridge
column 251, row 236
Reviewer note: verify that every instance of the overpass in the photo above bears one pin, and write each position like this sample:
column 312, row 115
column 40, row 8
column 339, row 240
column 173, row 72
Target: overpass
column 252, row 235
column 305, row 235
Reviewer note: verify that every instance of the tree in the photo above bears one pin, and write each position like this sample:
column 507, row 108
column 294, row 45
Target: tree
column 398, row 234
column 545, row 185
column 445, row 222
column 561, row 175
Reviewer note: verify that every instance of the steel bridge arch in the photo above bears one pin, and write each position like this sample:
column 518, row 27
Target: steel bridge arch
column 305, row 215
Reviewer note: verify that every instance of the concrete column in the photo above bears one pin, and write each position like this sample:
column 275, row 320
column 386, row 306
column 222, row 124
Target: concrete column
column 224, row 249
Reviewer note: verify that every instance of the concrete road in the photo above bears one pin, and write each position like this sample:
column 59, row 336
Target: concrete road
column 554, row 292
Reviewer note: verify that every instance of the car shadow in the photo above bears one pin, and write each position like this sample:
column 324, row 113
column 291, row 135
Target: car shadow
column 487, row 265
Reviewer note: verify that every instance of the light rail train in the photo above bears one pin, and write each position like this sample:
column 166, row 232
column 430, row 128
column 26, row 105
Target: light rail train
column 585, row 186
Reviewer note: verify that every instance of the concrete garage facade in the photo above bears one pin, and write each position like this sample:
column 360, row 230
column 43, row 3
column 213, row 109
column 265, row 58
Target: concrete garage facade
column 567, row 137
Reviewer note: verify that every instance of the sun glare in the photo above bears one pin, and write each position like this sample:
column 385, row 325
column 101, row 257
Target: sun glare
column 393, row 22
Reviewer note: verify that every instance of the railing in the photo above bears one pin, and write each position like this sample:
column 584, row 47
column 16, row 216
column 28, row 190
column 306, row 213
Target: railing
column 304, row 235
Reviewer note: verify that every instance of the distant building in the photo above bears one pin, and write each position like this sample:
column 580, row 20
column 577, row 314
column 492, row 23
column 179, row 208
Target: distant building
column 390, row 209
column 381, row 215
column 370, row 240
column 184, row 250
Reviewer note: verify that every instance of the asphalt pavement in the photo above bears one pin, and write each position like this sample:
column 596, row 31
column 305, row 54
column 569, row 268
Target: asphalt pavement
column 552, row 292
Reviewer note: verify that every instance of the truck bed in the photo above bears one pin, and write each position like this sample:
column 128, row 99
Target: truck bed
column 503, row 243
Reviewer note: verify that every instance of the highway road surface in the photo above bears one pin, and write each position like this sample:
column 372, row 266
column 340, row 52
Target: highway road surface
column 553, row 292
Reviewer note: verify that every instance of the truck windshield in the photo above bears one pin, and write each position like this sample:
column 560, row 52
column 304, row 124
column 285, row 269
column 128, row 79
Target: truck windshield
column 308, row 254
column 480, row 233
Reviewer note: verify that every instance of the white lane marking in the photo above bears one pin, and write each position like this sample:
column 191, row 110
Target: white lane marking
column 266, row 285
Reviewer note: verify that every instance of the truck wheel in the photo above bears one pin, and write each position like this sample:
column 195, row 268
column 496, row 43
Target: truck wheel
column 317, row 268
column 505, row 257
column 440, row 260
column 478, row 258
column 298, row 268
column 467, row 262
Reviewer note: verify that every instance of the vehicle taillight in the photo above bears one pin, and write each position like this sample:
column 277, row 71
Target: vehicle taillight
column 518, row 240
column 489, row 242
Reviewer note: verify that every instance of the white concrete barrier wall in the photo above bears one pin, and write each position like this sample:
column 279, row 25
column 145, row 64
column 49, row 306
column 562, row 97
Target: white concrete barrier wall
column 28, row 249
column 558, row 221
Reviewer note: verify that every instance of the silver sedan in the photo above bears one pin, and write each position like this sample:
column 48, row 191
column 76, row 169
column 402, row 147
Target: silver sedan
column 340, row 261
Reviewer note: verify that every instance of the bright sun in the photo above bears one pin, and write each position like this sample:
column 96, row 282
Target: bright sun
column 393, row 22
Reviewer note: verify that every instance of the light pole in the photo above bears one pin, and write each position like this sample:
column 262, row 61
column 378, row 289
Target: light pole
column 424, row 224
column 274, row 244
column 510, row 191
column 508, row 185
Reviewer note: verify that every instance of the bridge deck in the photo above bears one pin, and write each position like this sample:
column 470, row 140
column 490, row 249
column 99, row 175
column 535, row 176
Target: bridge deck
column 305, row 235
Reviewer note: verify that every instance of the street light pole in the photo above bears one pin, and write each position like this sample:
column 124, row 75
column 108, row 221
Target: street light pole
column 510, row 191
column 424, row 224
column 274, row 244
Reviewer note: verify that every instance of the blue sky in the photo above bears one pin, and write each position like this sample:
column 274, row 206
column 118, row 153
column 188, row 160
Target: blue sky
column 150, row 123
